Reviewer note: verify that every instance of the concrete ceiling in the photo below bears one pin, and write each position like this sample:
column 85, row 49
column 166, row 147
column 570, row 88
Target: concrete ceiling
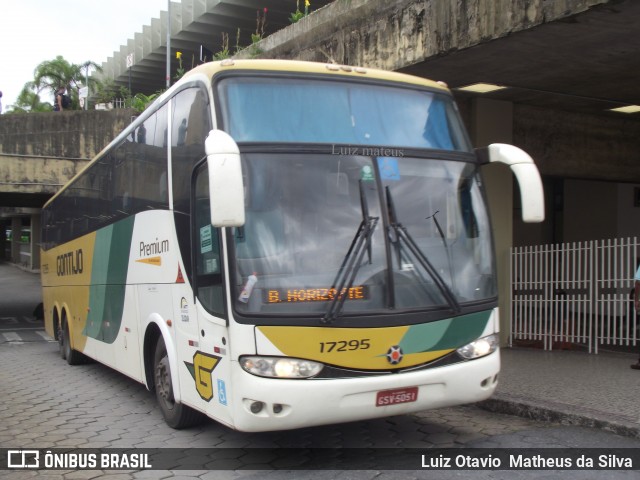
column 586, row 63
column 194, row 23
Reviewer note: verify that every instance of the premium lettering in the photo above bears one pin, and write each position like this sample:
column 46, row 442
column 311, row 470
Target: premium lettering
column 154, row 248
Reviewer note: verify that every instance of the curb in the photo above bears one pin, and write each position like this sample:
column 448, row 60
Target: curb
column 550, row 411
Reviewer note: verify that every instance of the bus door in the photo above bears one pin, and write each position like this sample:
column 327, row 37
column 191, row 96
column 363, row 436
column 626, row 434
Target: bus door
column 209, row 356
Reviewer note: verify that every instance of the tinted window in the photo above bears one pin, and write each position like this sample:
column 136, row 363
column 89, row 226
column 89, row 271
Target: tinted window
column 129, row 178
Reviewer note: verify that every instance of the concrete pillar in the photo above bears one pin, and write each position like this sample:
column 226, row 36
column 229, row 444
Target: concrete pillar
column 35, row 242
column 16, row 234
column 3, row 241
column 492, row 122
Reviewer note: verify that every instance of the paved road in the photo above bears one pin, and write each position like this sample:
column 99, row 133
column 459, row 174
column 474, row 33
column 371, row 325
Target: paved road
column 22, row 329
column 47, row 404
column 20, row 294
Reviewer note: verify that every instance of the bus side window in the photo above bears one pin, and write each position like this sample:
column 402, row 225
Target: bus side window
column 466, row 209
column 190, row 124
column 206, row 248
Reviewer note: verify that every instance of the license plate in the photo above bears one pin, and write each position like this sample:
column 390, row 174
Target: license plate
column 393, row 397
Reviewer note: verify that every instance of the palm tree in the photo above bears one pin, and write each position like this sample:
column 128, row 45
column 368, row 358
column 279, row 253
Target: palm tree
column 29, row 101
column 52, row 74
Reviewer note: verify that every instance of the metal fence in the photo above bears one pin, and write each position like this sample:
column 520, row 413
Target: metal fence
column 574, row 293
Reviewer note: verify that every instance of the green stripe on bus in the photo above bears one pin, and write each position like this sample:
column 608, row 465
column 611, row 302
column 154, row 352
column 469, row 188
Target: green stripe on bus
column 446, row 334
column 108, row 279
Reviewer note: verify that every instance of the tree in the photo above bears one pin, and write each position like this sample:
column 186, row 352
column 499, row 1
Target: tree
column 52, row 74
column 29, row 101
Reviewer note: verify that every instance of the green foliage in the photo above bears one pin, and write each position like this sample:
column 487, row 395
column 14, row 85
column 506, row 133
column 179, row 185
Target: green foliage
column 106, row 90
column 261, row 23
column 140, row 101
column 50, row 75
column 238, row 47
column 224, row 53
column 29, row 101
column 297, row 15
column 180, row 71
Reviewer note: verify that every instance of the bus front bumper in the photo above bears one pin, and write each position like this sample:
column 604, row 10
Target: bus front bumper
column 266, row 404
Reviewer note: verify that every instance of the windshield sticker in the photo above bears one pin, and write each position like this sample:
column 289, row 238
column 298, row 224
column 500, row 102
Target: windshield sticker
column 366, row 174
column 211, row 265
column 206, row 239
column 389, row 169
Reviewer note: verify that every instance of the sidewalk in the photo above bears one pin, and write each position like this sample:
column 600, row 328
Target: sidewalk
column 570, row 387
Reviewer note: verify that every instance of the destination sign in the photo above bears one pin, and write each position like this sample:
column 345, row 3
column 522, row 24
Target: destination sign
column 297, row 295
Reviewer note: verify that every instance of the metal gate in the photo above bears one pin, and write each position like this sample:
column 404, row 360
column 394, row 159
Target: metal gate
column 574, row 293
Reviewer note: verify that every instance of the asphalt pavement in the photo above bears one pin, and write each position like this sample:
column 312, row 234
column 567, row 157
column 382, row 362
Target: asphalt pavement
column 567, row 387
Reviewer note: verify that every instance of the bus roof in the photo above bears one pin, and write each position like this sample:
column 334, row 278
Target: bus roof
column 294, row 66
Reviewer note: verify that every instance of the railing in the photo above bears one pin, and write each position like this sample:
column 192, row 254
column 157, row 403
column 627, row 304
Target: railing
column 574, row 293
column 114, row 103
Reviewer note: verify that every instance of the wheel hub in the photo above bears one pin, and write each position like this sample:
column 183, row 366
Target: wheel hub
column 163, row 381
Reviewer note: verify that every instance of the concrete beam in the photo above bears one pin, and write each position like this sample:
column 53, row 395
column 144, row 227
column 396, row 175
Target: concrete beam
column 395, row 34
column 29, row 174
column 40, row 152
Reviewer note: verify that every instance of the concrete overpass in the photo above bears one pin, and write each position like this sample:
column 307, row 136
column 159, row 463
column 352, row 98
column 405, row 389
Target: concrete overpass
column 40, row 152
column 565, row 64
column 194, row 24
column 574, row 55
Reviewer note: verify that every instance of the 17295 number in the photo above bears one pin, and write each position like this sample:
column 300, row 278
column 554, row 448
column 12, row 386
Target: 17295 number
column 345, row 345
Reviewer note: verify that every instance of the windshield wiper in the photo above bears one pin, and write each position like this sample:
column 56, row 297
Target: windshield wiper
column 446, row 247
column 352, row 260
column 402, row 234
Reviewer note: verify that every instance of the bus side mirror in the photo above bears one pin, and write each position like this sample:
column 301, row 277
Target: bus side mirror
column 526, row 172
column 226, row 191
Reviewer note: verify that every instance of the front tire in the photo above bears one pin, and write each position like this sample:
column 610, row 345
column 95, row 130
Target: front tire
column 175, row 414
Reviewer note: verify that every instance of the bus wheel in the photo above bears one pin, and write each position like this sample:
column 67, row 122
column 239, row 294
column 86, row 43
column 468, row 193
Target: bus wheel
column 61, row 347
column 175, row 414
column 73, row 357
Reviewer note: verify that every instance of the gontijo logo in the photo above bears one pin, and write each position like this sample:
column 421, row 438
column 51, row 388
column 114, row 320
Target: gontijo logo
column 70, row 263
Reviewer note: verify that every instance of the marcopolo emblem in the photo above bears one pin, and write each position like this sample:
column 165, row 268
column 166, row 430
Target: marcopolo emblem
column 394, row 355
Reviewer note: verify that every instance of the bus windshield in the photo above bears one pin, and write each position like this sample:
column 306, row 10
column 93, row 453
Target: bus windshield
column 303, row 110
column 427, row 244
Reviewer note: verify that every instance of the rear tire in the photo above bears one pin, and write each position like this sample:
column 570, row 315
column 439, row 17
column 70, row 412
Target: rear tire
column 175, row 414
column 73, row 357
column 61, row 347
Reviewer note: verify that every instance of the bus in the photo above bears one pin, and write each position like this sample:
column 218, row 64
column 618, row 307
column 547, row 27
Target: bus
column 282, row 244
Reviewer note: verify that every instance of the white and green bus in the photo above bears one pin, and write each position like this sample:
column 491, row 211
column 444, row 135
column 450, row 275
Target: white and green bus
column 279, row 244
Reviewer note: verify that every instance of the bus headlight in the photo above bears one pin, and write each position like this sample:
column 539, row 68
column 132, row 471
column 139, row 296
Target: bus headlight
column 479, row 348
column 280, row 367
